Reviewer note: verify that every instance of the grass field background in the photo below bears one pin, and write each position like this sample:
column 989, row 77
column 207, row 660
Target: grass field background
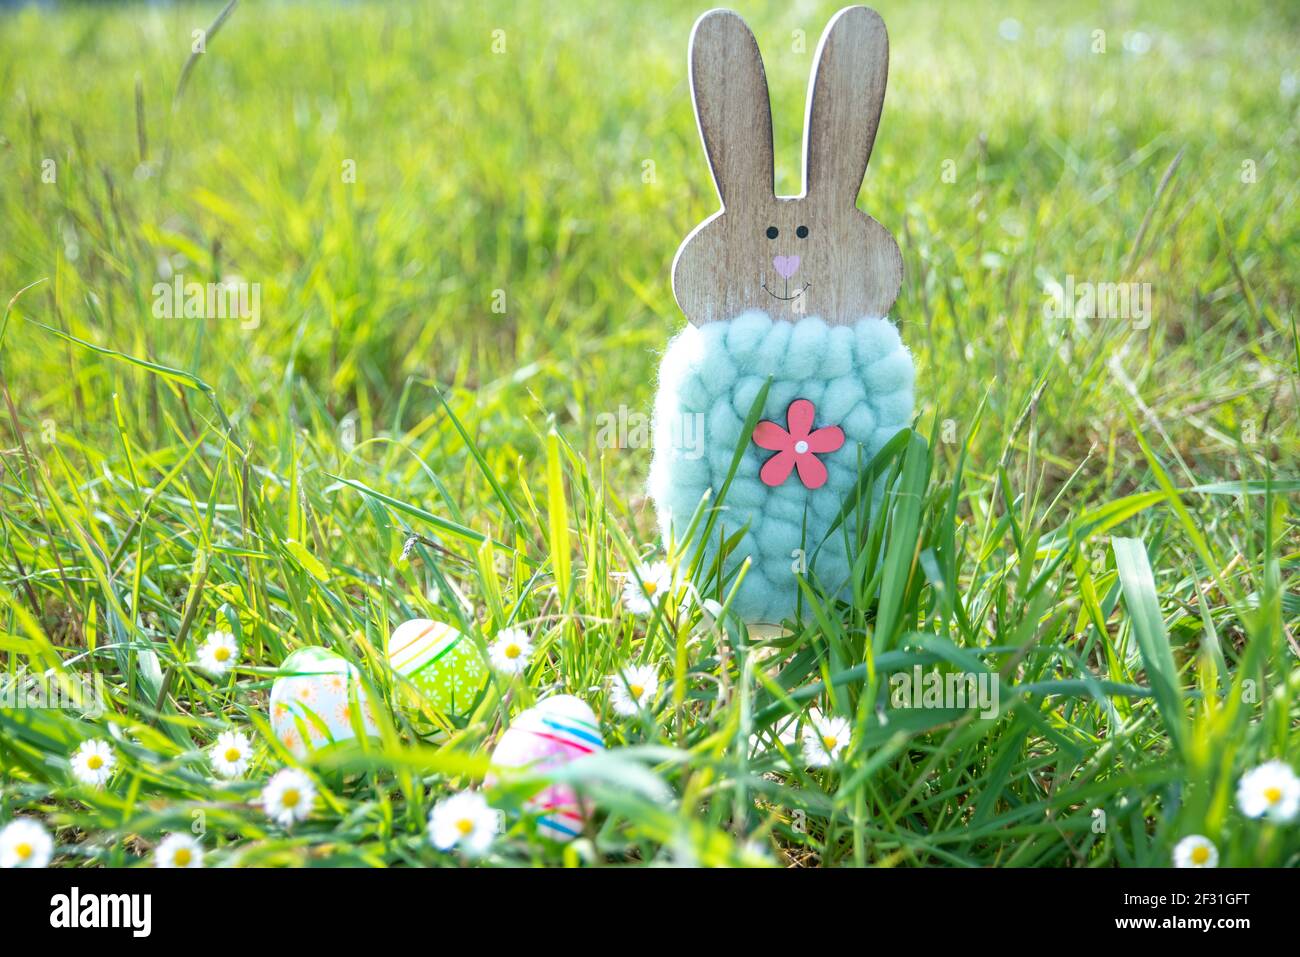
column 1103, row 511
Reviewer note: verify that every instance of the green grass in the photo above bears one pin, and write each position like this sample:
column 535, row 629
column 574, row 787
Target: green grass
column 1103, row 512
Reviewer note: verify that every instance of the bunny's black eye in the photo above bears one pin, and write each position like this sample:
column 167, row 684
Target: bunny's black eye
column 802, row 232
column 773, row 232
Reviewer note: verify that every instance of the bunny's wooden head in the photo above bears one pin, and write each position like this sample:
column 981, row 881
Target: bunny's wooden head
column 815, row 254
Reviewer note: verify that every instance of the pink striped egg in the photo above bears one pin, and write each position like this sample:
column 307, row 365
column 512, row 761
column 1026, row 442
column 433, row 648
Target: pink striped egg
column 546, row 736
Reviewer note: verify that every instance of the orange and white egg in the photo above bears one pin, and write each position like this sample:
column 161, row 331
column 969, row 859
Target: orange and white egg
column 318, row 701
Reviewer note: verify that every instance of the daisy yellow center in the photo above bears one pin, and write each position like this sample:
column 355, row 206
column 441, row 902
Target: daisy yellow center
column 1200, row 854
column 222, row 653
column 830, row 741
column 651, row 587
column 232, row 755
column 94, row 762
column 290, row 798
column 183, row 857
column 465, row 826
column 513, row 650
column 23, row 850
column 1272, row 795
column 637, row 690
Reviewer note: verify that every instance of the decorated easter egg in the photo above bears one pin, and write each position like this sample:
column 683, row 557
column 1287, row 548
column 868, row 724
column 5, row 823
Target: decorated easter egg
column 441, row 664
column 317, row 701
column 549, row 735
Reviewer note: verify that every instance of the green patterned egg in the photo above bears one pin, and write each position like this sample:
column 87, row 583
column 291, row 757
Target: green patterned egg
column 441, row 665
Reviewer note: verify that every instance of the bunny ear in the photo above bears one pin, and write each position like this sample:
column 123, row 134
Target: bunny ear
column 844, row 102
column 732, row 108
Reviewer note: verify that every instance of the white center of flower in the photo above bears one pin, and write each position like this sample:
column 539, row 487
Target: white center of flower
column 512, row 650
column 801, row 447
column 1272, row 795
column 222, row 653
column 1200, row 854
column 289, row 798
column 232, row 755
column 23, row 851
column 465, row 826
column 183, row 857
column 95, row 762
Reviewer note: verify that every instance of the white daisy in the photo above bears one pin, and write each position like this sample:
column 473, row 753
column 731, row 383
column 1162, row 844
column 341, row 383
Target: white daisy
column 824, row 738
column 178, row 850
column 511, row 651
column 1196, row 850
column 219, row 653
column 93, row 762
column 24, row 842
column 463, row 820
column 642, row 595
column 289, row 796
column 231, row 754
column 634, row 689
column 1271, row 790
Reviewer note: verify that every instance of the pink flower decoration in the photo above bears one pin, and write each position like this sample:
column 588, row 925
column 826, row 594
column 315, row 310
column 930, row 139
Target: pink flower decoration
column 796, row 445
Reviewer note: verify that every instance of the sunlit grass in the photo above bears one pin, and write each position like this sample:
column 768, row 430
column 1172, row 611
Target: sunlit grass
column 463, row 261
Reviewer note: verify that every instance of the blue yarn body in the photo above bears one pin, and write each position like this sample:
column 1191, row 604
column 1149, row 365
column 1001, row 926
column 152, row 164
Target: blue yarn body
column 858, row 377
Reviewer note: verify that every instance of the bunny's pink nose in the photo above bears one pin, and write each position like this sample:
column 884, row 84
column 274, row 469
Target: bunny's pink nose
column 787, row 266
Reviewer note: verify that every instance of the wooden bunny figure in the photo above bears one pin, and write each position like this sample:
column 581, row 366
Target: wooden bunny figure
column 787, row 292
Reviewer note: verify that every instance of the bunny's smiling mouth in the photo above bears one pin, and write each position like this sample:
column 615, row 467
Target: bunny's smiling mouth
column 797, row 294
